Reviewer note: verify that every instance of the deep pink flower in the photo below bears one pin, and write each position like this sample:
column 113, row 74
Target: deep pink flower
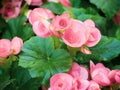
column 65, row 3
column 40, row 14
column 5, row 46
column 93, row 86
column 16, row 45
column 61, row 81
column 94, row 34
column 41, row 29
column 11, row 9
column 117, row 77
column 99, row 73
column 80, row 84
column 78, row 71
column 76, row 35
column 111, row 75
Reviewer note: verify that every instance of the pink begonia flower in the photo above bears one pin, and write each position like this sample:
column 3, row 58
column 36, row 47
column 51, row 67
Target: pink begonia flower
column 11, row 9
column 65, row 3
column 34, row 2
column 94, row 35
column 93, row 86
column 80, row 84
column 117, row 77
column 16, row 45
column 61, row 81
column 78, row 71
column 5, row 46
column 40, row 14
column 76, row 35
column 111, row 75
column 85, row 50
column 41, row 29
column 116, row 18
column 60, row 24
column 99, row 73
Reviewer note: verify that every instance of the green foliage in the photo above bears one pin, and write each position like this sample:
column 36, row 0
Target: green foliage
column 75, row 3
column 42, row 60
column 18, row 27
column 109, row 7
column 57, row 8
column 107, row 49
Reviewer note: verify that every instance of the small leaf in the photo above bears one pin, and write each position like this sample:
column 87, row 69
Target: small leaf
column 57, row 8
column 109, row 7
column 42, row 60
column 75, row 4
column 18, row 27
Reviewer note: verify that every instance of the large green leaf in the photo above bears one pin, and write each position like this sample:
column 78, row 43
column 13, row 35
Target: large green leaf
column 57, row 8
column 22, row 80
column 109, row 7
column 18, row 27
column 107, row 49
column 42, row 60
column 75, row 3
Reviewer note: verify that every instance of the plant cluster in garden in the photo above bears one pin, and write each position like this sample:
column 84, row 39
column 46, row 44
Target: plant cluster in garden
column 74, row 33
column 80, row 78
column 8, row 47
column 48, row 45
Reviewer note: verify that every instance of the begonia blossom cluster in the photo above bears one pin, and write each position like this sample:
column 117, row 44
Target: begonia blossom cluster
column 8, row 47
column 81, row 78
column 74, row 33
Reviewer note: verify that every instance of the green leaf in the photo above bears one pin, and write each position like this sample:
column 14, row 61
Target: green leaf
column 75, row 3
column 107, row 49
column 5, row 83
column 18, row 27
column 22, row 80
column 109, row 7
column 118, row 33
column 42, row 60
column 3, row 24
column 57, row 8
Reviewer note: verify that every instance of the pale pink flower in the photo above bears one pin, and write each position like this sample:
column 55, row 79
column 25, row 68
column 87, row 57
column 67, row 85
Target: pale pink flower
column 94, row 34
column 40, row 14
column 99, row 73
column 41, row 29
column 93, row 86
column 5, row 46
column 65, row 3
column 61, row 81
column 80, row 84
column 34, row 2
column 76, row 35
column 60, row 24
column 78, row 71
column 16, row 45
